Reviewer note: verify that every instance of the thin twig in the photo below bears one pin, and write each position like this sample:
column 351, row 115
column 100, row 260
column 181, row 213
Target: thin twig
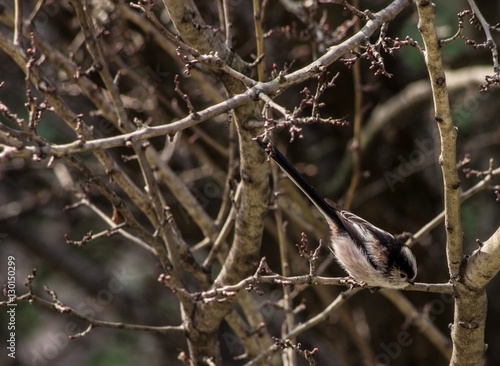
column 57, row 305
column 220, row 240
column 34, row 12
column 308, row 324
column 259, row 38
column 358, row 116
column 487, row 31
column 61, row 308
column 264, row 275
column 227, row 195
column 119, row 228
column 289, row 357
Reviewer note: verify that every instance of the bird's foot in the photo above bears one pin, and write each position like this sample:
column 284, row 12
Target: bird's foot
column 352, row 283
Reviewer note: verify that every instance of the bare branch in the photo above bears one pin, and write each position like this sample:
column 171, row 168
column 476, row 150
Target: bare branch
column 487, row 31
column 448, row 135
column 57, row 305
column 484, row 263
column 420, row 321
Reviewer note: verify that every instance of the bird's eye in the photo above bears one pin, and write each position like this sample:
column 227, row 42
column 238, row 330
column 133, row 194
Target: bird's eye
column 403, row 276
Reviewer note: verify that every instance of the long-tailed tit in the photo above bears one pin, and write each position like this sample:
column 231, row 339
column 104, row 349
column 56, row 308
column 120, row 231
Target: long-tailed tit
column 368, row 254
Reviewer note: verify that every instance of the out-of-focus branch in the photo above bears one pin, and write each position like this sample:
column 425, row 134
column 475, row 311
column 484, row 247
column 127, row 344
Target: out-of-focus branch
column 420, row 321
column 396, row 110
column 259, row 38
column 355, row 146
column 226, row 24
column 322, row 316
column 69, row 117
column 471, row 192
column 18, row 27
column 288, row 356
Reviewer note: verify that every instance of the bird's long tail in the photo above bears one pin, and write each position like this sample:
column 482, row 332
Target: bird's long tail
column 327, row 210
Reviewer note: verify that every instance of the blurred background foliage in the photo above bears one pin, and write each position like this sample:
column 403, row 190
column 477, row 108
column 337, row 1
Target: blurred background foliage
column 34, row 218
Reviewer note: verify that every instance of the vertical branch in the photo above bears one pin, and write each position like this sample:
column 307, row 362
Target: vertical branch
column 228, row 195
column 467, row 332
column 288, row 355
column 356, row 139
column 447, row 133
column 18, row 25
column 259, row 37
column 227, row 24
column 471, row 302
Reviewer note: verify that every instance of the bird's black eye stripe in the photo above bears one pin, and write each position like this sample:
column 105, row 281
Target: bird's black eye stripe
column 406, row 268
column 393, row 254
column 396, row 258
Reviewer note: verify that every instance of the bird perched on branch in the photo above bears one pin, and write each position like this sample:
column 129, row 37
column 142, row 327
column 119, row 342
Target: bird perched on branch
column 370, row 255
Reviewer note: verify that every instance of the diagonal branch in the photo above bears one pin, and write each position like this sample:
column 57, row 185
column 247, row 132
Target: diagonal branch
column 487, row 31
column 95, row 323
column 484, row 263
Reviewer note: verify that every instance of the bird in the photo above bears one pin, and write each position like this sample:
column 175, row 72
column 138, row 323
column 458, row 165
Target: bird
column 371, row 256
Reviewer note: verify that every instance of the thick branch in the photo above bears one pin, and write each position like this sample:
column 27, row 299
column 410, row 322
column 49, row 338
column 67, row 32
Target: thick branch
column 447, row 132
column 470, row 306
column 484, row 263
column 468, row 327
column 195, row 33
